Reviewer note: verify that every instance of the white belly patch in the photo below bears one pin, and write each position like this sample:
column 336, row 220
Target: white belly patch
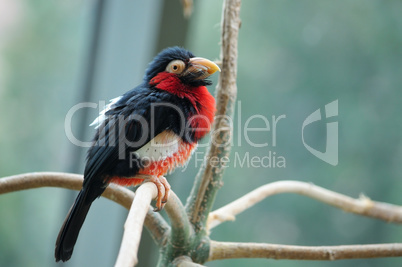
column 164, row 145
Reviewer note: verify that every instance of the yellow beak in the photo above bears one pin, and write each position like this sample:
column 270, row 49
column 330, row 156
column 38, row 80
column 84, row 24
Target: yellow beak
column 202, row 65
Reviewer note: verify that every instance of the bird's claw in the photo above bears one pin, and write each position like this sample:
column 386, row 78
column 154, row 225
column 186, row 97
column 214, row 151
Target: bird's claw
column 160, row 182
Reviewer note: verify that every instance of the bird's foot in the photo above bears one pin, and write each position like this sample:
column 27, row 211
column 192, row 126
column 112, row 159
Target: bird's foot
column 160, row 182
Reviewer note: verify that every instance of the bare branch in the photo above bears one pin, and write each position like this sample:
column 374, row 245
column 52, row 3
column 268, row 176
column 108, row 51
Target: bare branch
column 157, row 227
column 154, row 222
column 229, row 250
column 25, row 181
column 42, row 179
column 185, row 261
column 209, row 178
column 181, row 229
column 134, row 224
column 362, row 206
column 187, row 8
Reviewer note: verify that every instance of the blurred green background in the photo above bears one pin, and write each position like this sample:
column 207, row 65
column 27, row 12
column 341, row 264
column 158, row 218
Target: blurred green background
column 294, row 58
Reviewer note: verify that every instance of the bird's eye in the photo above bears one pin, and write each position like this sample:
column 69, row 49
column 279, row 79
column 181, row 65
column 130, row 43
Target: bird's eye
column 176, row 66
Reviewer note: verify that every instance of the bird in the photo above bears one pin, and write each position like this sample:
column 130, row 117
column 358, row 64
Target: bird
column 144, row 134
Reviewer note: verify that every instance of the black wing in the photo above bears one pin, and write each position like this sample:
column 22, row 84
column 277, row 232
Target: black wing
column 133, row 121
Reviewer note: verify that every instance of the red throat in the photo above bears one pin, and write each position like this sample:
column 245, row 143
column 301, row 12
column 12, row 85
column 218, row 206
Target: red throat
column 202, row 101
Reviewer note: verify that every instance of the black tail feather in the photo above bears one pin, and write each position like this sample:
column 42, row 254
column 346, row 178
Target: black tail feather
column 71, row 227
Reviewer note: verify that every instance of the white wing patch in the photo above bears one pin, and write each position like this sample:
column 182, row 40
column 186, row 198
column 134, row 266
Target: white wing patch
column 164, row 145
column 102, row 117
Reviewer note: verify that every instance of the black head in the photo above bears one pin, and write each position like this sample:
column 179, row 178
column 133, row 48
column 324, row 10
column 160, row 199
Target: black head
column 190, row 69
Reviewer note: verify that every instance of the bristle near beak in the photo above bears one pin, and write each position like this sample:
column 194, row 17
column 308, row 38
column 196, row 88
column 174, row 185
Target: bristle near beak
column 201, row 67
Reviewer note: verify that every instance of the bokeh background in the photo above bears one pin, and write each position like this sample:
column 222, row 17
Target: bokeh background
column 294, row 58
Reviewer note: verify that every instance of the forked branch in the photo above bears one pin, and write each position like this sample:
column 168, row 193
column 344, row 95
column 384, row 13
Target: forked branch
column 362, row 206
column 209, row 177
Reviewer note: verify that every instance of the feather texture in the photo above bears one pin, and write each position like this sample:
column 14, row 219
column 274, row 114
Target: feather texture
column 149, row 130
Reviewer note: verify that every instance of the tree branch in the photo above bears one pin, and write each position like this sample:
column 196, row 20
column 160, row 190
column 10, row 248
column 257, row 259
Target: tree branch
column 362, row 206
column 209, row 178
column 134, row 224
column 154, row 222
column 187, row 8
column 185, row 261
column 181, row 228
column 229, row 250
